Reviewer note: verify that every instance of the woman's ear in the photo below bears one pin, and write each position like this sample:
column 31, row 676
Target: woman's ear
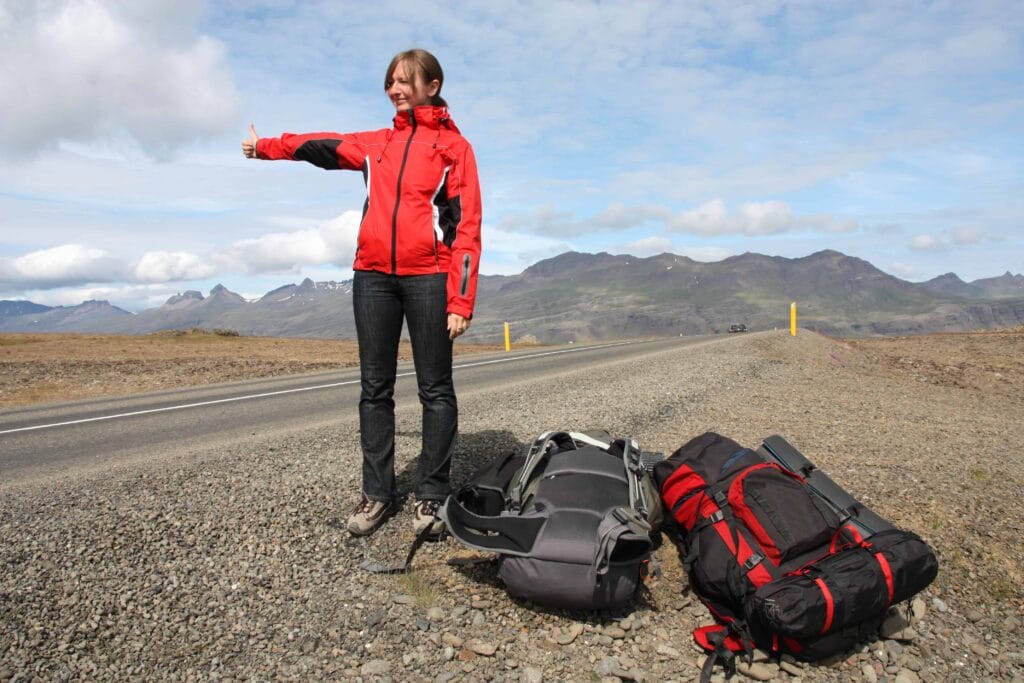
column 433, row 87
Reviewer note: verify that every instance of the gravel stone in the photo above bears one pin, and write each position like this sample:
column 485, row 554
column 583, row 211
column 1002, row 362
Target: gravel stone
column 375, row 667
column 531, row 674
column 614, row 632
column 791, row 668
column 667, row 651
column 907, row 676
column 757, row 671
column 567, row 636
column 481, row 648
column 606, row 667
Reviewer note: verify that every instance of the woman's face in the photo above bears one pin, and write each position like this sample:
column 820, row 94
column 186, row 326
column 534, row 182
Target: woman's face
column 408, row 89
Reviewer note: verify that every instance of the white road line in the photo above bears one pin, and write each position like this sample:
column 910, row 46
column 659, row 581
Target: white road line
column 291, row 391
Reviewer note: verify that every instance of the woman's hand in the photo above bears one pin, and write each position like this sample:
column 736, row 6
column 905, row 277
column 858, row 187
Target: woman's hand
column 456, row 325
column 249, row 145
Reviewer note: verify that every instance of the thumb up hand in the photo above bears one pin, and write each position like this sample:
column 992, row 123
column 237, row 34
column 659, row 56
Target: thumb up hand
column 249, row 144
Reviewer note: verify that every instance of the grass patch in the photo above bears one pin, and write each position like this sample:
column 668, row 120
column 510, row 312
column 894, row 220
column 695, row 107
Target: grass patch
column 195, row 334
column 1003, row 589
column 420, row 588
column 16, row 341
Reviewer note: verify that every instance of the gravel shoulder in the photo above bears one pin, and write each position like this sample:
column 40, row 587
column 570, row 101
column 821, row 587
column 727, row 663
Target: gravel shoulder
column 230, row 565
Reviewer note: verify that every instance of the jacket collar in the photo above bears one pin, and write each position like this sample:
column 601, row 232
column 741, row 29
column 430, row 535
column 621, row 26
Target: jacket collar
column 431, row 117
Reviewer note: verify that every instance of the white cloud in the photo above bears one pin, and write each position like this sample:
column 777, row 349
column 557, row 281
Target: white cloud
column 827, row 223
column 903, row 270
column 967, row 235
column 648, row 246
column 710, row 219
column 97, row 70
column 62, row 266
column 619, row 216
column 508, row 252
column 705, row 254
column 544, row 220
column 332, row 242
column 962, row 236
column 925, row 242
column 71, row 265
column 753, row 219
column 167, row 266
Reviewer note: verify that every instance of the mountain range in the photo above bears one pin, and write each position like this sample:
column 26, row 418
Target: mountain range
column 587, row 297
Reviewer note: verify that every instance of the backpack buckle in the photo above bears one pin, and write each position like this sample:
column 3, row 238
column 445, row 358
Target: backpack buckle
column 753, row 561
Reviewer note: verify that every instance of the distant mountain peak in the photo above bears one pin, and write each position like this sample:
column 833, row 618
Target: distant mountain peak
column 222, row 294
column 186, row 296
column 9, row 308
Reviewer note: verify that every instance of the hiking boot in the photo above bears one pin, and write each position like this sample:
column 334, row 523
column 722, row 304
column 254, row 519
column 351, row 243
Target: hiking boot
column 425, row 515
column 368, row 515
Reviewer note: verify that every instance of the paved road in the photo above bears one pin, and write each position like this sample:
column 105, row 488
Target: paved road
column 36, row 441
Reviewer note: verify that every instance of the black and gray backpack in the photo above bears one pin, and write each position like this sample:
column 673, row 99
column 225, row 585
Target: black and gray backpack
column 571, row 518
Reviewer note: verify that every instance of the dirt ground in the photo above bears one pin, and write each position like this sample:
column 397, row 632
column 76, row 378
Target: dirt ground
column 42, row 368
column 990, row 361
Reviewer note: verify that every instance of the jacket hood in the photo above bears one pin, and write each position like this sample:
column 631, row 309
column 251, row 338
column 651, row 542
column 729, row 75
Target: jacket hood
column 429, row 116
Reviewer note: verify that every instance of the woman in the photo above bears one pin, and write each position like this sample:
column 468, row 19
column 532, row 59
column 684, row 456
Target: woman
column 417, row 258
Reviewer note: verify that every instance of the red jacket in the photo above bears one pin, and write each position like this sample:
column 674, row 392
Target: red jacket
column 422, row 212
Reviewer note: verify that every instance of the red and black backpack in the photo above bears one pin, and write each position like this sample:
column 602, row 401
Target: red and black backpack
column 784, row 558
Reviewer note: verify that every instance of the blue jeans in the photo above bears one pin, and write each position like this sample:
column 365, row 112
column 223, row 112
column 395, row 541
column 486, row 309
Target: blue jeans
column 380, row 302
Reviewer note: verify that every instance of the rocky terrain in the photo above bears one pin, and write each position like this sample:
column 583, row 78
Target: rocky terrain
column 231, row 565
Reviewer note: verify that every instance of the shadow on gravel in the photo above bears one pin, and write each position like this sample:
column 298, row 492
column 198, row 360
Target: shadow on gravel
column 472, row 451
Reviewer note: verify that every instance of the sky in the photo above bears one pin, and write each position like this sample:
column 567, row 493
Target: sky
column 889, row 131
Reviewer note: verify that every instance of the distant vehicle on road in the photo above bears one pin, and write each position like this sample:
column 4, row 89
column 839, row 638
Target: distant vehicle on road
column 738, row 328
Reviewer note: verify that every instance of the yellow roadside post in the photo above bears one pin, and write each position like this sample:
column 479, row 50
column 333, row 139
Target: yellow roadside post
column 508, row 344
column 792, row 319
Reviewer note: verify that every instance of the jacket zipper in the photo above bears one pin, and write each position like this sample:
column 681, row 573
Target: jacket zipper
column 398, row 196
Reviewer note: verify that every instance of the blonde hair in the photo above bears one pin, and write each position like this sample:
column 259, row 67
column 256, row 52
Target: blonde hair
column 424, row 66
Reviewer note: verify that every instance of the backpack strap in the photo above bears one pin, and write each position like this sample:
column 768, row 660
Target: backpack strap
column 634, row 470
column 622, row 525
column 723, row 643
column 508, row 534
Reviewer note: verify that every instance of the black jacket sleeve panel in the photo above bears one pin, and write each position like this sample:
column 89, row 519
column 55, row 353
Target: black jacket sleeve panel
column 321, row 152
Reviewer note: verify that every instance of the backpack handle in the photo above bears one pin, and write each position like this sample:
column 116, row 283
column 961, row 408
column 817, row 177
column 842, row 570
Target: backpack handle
column 535, row 454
